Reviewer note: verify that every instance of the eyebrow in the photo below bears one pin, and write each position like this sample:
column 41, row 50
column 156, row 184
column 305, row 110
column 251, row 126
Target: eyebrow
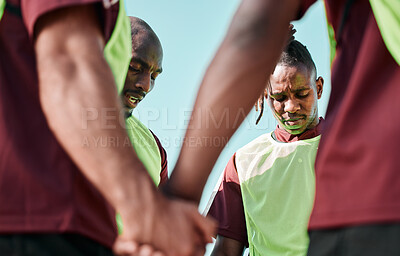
column 301, row 89
column 144, row 64
column 297, row 90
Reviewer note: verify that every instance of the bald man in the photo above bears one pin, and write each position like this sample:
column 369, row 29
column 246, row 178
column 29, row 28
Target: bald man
column 145, row 66
column 66, row 187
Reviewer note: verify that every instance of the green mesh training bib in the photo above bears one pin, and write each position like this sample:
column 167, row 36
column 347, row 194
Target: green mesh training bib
column 278, row 185
column 2, row 5
column 145, row 147
column 147, row 151
column 387, row 16
column 118, row 50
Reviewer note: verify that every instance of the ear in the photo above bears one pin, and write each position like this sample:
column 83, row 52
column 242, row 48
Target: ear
column 320, row 86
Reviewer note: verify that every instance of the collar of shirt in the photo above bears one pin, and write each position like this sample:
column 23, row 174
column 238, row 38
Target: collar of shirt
column 283, row 136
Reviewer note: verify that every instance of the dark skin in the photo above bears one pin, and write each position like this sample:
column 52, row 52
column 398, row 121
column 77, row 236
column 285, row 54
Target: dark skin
column 240, row 61
column 292, row 94
column 144, row 68
column 69, row 49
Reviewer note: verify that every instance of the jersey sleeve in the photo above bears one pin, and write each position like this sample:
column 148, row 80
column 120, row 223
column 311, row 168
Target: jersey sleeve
column 164, row 161
column 33, row 10
column 227, row 207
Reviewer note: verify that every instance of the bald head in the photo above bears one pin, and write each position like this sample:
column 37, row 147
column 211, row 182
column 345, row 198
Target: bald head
column 142, row 33
column 145, row 65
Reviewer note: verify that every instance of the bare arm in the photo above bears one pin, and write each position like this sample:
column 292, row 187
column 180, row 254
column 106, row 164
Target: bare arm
column 75, row 79
column 231, row 86
column 225, row 246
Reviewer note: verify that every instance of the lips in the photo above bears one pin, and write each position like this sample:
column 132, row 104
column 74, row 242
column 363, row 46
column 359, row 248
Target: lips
column 293, row 121
column 131, row 99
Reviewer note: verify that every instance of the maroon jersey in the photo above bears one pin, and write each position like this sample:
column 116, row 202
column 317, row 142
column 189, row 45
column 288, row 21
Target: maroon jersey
column 41, row 189
column 357, row 167
column 164, row 162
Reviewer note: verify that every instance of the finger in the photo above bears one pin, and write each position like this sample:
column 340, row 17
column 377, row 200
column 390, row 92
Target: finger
column 200, row 250
column 158, row 253
column 206, row 226
column 145, row 250
column 199, row 253
column 125, row 247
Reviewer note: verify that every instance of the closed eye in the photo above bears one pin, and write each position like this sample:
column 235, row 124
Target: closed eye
column 301, row 95
column 278, row 97
column 136, row 70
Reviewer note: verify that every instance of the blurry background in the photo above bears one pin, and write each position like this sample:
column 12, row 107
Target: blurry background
column 190, row 33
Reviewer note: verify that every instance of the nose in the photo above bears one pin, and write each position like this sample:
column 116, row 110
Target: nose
column 144, row 82
column 291, row 106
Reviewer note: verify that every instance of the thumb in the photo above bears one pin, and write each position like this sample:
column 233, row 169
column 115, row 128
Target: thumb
column 205, row 225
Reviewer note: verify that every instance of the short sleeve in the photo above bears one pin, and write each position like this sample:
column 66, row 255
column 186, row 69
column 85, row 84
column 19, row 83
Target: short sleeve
column 32, row 10
column 164, row 161
column 164, row 166
column 227, row 207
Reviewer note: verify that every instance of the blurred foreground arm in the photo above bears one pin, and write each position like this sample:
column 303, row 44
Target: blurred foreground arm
column 233, row 82
column 74, row 80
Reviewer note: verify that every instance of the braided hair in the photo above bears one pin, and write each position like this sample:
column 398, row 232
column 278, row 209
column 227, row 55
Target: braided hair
column 293, row 55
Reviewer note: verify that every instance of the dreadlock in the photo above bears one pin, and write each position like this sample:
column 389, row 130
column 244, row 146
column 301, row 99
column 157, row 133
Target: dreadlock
column 293, row 55
column 261, row 107
column 296, row 53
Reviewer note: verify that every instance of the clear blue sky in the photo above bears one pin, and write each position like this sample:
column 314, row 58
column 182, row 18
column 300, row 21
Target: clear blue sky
column 190, row 32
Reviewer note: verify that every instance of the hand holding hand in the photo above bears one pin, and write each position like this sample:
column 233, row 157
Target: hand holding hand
column 173, row 227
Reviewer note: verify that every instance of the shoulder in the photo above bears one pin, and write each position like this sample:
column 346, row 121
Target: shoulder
column 256, row 145
column 33, row 10
column 133, row 122
column 137, row 130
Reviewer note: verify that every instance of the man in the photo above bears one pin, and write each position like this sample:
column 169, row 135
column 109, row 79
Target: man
column 145, row 66
column 268, row 186
column 58, row 195
column 357, row 182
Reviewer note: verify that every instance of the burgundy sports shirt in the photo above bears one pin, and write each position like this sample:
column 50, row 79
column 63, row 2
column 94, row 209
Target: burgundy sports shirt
column 41, row 189
column 357, row 166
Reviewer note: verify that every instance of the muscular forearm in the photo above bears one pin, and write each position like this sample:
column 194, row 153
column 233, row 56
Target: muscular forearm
column 79, row 99
column 232, row 83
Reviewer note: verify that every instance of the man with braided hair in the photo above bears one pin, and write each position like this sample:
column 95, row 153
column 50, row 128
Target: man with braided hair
column 357, row 208
column 267, row 191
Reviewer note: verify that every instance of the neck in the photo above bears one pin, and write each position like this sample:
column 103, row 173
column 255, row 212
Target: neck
column 128, row 113
column 312, row 131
